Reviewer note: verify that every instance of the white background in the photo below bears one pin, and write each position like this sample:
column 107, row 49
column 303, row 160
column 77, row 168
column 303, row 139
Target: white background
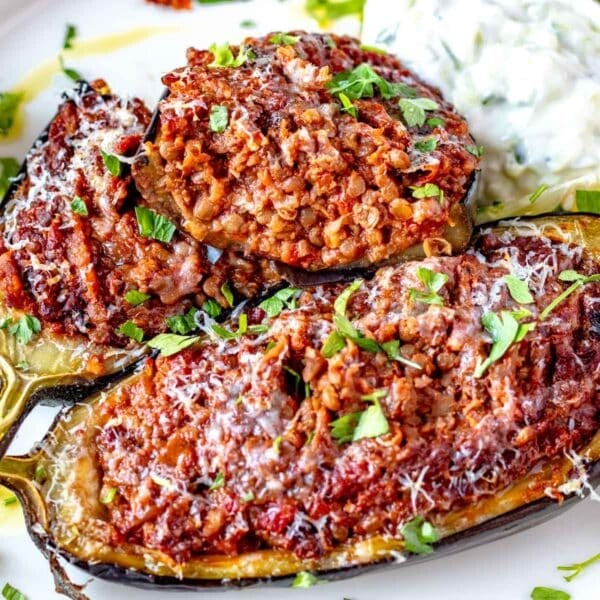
column 32, row 31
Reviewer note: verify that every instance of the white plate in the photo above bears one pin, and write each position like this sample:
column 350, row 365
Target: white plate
column 31, row 32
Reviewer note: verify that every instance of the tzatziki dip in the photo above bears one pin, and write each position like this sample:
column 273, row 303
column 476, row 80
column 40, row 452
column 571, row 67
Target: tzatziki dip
column 525, row 74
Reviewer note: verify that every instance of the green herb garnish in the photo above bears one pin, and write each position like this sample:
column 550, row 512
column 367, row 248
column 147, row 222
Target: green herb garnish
column 79, row 207
column 248, row 497
column 131, row 330
column 171, row 343
column 428, row 145
column 284, row 39
column 347, row 105
column 10, row 501
column 433, row 283
column 223, row 56
column 183, row 324
column 304, row 579
column 429, row 190
column 70, row 35
column 108, row 496
column 219, row 482
column 476, row 151
column 576, row 568
column 241, row 330
column 112, row 163
column 11, row 593
column 324, row 11
column 372, row 422
column 247, row 24
column 546, row 593
column 418, row 536
column 342, row 429
column 518, row 289
column 9, row 105
column 9, row 168
column 227, row 293
column 341, row 302
column 70, row 73
column 219, row 118
column 434, row 122
column 392, row 349
column 333, row 344
column 25, row 328
column 285, row 298
column 588, row 201
column 154, row 226
column 578, row 280
column 212, row 308
column 373, row 49
column 135, row 297
column 413, row 110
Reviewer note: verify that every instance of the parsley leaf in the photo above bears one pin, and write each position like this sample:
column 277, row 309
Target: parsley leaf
column 9, row 168
column 70, row 35
column 154, row 226
column 108, row 496
column 342, row 429
column 9, row 105
column 392, row 349
column 578, row 280
column 241, row 330
column 11, row 593
column 577, row 568
column 223, row 56
column 112, row 163
column 219, row 481
column 372, row 422
column 212, row 308
column 433, row 282
column 341, row 302
column 79, row 207
column 280, row 300
column 518, row 290
column 326, row 10
column 131, row 330
column 304, row 579
column 135, row 297
column 427, row 145
column 429, row 190
column 183, row 324
column 170, row 343
column 25, row 328
column 219, row 118
column 476, row 151
column 347, row 105
column 333, row 344
column 248, row 497
column 434, row 122
column 70, row 73
column 227, row 293
column 418, row 536
column 586, row 200
column 413, row 110
column 545, row 593
column 284, row 39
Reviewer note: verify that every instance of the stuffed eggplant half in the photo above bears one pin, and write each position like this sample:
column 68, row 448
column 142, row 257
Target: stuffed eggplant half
column 86, row 272
column 336, row 427
column 310, row 150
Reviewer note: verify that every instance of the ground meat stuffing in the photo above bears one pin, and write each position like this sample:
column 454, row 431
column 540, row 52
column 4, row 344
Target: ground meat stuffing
column 228, row 446
column 292, row 176
column 73, row 270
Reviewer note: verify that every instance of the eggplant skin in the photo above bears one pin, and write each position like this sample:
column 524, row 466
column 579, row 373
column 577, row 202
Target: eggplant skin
column 292, row 177
column 87, row 439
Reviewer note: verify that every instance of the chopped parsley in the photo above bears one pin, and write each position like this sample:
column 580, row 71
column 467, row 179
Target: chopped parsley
column 223, row 56
column 433, row 283
column 546, row 593
column 304, row 579
column 227, row 294
column 373, row 49
column 248, row 24
column 505, row 330
column 24, row 329
column 131, row 330
column 183, row 324
column 392, row 349
column 70, row 73
column 212, row 308
column 9, row 105
column 11, row 593
column 341, row 302
column 333, row 344
column 519, row 290
column 248, row 497
column 154, row 226
column 79, row 207
column 9, row 168
column 538, row 192
column 588, row 201
column 324, row 11
column 476, row 151
column 576, row 568
column 570, row 276
column 280, row 300
column 171, row 343
column 108, row 496
column 434, row 122
column 413, row 110
column 218, row 118
column 135, row 297
column 284, row 39
column 347, row 105
column 112, row 163
column 369, row 423
column 429, row 190
column 10, row 501
column 418, row 536
column 218, row 482
column 426, row 146
column 70, row 35
column 241, row 330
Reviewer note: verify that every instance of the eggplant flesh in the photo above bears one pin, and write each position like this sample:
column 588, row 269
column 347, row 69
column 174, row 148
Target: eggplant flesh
column 60, row 486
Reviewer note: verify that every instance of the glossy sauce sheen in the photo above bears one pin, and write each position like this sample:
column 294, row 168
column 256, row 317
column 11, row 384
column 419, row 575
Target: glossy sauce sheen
column 293, row 177
column 229, row 411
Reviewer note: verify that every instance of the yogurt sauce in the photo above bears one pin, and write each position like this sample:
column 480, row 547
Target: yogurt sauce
column 525, row 74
